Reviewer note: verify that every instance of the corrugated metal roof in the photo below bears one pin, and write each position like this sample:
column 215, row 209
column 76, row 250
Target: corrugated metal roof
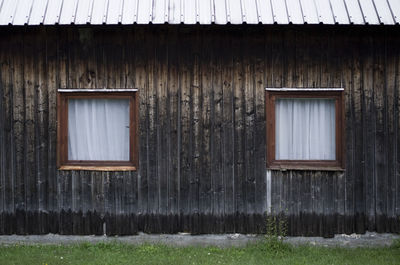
column 96, row 12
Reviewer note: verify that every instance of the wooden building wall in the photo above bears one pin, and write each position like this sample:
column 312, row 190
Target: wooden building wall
column 202, row 155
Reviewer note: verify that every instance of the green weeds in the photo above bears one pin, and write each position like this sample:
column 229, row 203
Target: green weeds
column 266, row 252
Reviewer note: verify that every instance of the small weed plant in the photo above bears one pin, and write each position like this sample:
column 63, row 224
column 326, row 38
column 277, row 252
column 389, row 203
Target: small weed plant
column 396, row 244
column 276, row 228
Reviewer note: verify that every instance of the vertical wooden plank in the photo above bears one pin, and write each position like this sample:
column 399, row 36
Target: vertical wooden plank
column 185, row 92
column 53, row 71
column 118, row 203
column 197, row 131
column 162, row 119
column 289, row 63
column 74, row 67
column 313, row 56
column 113, row 55
column 300, row 40
column 369, row 132
column 88, row 226
column 326, row 72
column 91, row 73
column 348, row 72
column 97, row 206
column 276, row 183
column 228, row 131
column 109, row 202
column 41, row 131
column 174, row 145
column 354, row 137
column 390, row 138
column 77, row 201
column 380, row 104
column 137, row 68
column 63, row 58
column 100, row 57
column 259, row 60
column 11, row 180
column 338, row 51
column 65, row 180
column 19, row 131
column 393, row 88
column 396, row 126
column 216, row 148
column 317, row 202
column 329, row 208
column 83, row 55
column 276, row 42
column 250, row 50
column 131, row 202
column 206, row 61
column 239, row 128
column 306, row 203
column 3, row 104
column 152, row 79
column 129, row 57
column 30, row 177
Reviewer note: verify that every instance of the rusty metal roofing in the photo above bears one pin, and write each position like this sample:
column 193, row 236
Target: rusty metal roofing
column 97, row 12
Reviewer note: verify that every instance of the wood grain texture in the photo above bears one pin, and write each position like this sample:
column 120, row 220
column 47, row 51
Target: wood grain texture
column 201, row 129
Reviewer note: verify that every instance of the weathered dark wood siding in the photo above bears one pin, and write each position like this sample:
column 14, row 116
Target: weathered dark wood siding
column 202, row 164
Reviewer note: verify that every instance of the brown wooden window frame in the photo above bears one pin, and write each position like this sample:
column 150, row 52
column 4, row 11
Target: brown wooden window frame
column 270, row 97
column 62, row 131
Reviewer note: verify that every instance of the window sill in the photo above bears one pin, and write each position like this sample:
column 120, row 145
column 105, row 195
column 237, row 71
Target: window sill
column 305, row 168
column 99, row 168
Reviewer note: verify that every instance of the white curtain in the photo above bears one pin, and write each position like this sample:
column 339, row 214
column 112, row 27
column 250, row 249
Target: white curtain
column 98, row 129
column 305, row 129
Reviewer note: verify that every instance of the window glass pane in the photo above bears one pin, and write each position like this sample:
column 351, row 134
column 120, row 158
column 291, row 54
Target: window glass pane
column 305, row 129
column 98, row 129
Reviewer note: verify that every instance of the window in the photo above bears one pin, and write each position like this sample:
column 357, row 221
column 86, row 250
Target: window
column 97, row 130
column 304, row 128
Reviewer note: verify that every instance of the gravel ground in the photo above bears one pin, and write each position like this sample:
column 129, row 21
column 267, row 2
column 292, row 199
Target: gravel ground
column 354, row 240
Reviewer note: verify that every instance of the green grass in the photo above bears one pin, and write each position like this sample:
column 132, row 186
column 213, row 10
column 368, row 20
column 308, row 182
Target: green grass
column 262, row 253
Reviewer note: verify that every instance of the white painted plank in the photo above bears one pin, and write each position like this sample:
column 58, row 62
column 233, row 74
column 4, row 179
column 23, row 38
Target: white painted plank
column 220, row 12
column 174, row 16
column 159, row 11
column 324, row 11
column 309, row 11
column 251, row 11
column 204, row 12
column 189, row 11
column 129, row 12
column 369, row 12
column 235, row 8
column 82, row 12
column 98, row 12
column 355, row 14
column 268, row 191
column 53, row 11
column 22, row 12
column 113, row 14
column 67, row 12
column 145, row 12
column 295, row 13
column 340, row 12
column 37, row 13
column 7, row 12
column 265, row 11
column 395, row 7
column 279, row 12
column 385, row 16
